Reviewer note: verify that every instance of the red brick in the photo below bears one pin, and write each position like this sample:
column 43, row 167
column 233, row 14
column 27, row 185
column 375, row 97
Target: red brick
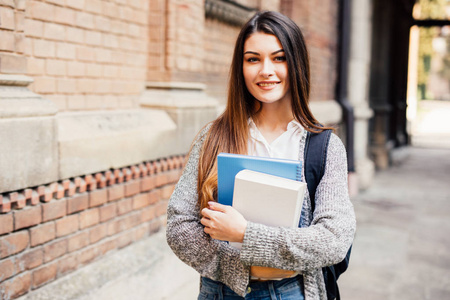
column 27, row 217
column 78, row 241
column 106, row 246
column 16, row 286
column 6, row 223
column 54, row 210
column 116, row 192
column 167, row 191
column 7, row 17
column 67, row 264
column 87, row 255
column 89, row 218
column 55, row 250
column 124, row 206
column 148, row 183
column 154, row 196
column 13, row 243
column 148, row 213
column 34, row 198
column 7, row 268
column 13, row 64
column 129, row 221
column 162, row 179
column 41, row 11
column 132, row 188
column 108, row 212
column 45, row 274
column 98, row 232
column 161, row 208
column 98, row 197
column 173, row 175
column 141, row 200
column 77, row 203
column 31, row 259
column 113, row 227
column 67, row 225
column 42, row 234
column 20, row 201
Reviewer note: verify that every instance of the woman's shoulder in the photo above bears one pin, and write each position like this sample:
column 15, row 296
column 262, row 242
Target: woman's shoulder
column 201, row 135
column 336, row 148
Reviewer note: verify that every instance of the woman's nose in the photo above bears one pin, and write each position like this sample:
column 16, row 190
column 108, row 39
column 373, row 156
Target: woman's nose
column 267, row 69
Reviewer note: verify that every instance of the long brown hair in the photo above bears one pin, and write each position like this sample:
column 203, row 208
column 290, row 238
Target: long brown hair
column 229, row 132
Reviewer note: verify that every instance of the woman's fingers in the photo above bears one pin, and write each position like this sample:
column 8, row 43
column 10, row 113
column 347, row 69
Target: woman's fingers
column 217, row 206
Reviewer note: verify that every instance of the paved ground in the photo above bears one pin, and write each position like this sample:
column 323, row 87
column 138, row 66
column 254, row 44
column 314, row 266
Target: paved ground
column 402, row 244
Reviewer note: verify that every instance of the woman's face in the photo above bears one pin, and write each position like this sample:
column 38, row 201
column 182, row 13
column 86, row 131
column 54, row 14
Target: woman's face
column 265, row 68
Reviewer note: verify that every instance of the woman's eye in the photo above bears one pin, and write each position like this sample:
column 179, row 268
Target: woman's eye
column 280, row 58
column 252, row 59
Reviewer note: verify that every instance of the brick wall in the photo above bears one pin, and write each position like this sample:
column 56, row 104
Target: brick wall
column 49, row 231
column 176, row 35
column 219, row 39
column 319, row 24
column 81, row 54
column 12, row 37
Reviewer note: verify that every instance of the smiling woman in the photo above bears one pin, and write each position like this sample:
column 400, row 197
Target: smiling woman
column 267, row 114
column 265, row 69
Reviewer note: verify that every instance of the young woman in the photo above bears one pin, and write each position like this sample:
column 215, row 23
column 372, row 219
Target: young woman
column 267, row 114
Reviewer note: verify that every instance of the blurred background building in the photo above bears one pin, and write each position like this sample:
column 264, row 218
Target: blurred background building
column 100, row 100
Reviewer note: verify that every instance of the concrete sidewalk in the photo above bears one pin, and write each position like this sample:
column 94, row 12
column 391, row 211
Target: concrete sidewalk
column 402, row 244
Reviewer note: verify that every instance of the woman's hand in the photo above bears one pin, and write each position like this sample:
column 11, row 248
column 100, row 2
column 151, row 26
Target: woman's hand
column 267, row 273
column 223, row 222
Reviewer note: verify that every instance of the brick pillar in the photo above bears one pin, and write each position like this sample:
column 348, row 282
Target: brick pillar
column 12, row 37
column 176, row 41
column 176, row 74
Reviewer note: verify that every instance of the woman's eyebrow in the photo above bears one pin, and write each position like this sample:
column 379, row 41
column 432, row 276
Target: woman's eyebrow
column 278, row 51
column 256, row 53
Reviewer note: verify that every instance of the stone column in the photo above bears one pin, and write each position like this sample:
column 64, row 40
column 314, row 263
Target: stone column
column 358, row 86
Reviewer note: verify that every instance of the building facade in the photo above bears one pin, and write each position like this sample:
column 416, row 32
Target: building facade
column 100, row 100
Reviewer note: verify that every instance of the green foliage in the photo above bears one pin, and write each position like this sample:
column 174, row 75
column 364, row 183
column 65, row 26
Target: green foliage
column 432, row 9
column 429, row 9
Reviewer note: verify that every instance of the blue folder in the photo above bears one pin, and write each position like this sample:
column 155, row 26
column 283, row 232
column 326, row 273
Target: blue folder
column 228, row 165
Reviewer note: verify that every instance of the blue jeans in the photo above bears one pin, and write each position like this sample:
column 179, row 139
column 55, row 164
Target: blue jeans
column 286, row 289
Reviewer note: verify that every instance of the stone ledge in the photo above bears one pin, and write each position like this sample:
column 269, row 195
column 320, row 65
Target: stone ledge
column 97, row 141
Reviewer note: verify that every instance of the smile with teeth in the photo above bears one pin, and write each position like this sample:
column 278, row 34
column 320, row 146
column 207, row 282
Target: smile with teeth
column 267, row 83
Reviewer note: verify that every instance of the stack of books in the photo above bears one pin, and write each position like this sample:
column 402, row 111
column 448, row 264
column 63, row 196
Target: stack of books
column 264, row 190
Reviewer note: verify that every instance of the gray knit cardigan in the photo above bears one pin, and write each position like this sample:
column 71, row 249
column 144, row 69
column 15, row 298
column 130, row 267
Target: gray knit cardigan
column 322, row 239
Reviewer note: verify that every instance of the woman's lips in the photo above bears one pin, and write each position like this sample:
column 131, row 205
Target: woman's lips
column 267, row 85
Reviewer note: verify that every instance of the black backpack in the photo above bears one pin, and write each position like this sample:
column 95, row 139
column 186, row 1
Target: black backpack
column 315, row 159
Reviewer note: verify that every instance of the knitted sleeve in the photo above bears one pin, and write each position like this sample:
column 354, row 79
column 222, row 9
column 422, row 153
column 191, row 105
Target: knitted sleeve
column 325, row 242
column 211, row 258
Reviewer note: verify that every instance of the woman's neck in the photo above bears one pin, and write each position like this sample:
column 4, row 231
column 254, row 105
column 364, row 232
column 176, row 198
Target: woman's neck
column 272, row 120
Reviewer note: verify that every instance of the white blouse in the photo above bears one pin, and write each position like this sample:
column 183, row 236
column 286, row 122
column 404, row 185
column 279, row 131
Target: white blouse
column 284, row 146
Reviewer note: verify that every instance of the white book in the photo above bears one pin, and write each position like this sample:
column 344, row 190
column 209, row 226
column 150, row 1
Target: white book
column 267, row 199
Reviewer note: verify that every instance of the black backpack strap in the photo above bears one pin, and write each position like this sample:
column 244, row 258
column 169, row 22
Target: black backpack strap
column 315, row 158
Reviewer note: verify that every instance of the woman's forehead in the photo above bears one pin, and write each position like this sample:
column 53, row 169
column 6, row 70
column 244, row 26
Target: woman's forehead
column 260, row 41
